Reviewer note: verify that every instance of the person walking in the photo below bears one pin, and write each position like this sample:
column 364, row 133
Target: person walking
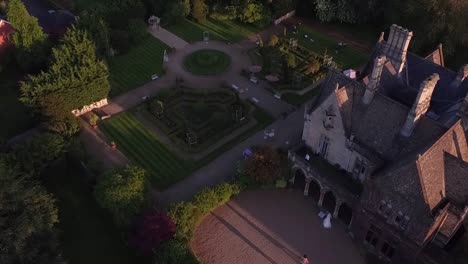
column 305, row 260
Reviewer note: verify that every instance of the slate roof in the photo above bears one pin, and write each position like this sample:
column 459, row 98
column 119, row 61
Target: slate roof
column 416, row 70
column 418, row 183
column 376, row 126
column 419, row 172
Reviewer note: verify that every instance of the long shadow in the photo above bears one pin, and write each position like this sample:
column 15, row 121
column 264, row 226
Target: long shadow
column 239, row 234
column 265, row 234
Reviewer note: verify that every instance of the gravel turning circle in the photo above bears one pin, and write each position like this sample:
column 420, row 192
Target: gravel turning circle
column 271, row 227
column 207, row 62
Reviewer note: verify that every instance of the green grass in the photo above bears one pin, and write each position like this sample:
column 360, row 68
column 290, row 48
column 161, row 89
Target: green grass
column 14, row 116
column 346, row 57
column 227, row 30
column 87, row 233
column 143, row 148
column 207, row 62
column 136, row 67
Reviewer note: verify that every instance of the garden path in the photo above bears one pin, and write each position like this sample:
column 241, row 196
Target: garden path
column 223, row 167
column 168, row 38
column 287, row 130
column 271, row 227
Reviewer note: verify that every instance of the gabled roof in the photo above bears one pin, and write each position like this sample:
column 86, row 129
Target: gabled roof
column 375, row 126
column 437, row 56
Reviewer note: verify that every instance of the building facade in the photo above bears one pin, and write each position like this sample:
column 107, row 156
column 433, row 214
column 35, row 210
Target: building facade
column 387, row 152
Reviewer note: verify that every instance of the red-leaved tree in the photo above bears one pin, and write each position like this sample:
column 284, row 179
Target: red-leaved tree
column 150, row 231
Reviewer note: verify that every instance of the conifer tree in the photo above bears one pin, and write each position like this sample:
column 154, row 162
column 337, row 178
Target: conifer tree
column 28, row 37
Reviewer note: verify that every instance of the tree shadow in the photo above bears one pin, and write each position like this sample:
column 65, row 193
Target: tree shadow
column 239, row 234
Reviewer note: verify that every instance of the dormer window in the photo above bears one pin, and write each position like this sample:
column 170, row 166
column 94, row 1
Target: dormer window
column 404, row 223
column 329, row 120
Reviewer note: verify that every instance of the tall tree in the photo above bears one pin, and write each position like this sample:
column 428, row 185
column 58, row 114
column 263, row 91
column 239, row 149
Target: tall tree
column 92, row 21
column 28, row 215
column 28, row 37
column 150, row 231
column 76, row 77
column 123, row 192
column 252, row 11
column 265, row 165
column 199, row 10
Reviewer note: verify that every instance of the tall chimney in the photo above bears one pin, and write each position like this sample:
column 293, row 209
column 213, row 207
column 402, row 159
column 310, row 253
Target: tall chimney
column 374, row 79
column 421, row 104
column 462, row 74
column 397, row 45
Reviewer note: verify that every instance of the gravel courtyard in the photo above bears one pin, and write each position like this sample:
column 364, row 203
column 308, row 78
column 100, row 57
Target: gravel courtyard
column 271, row 226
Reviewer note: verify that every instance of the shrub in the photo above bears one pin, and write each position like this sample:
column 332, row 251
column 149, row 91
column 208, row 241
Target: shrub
column 174, row 252
column 93, row 118
column 150, row 231
column 186, row 214
column 137, row 30
column 199, row 10
column 183, row 216
column 265, row 165
column 123, row 192
column 273, row 40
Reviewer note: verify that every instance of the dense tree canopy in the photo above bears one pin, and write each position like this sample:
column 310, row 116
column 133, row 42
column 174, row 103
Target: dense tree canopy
column 28, row 38
column 123, row 192
column 199, row 10
column 433, row 22
column 76, row 77
column 92, row 22
column 28, row 215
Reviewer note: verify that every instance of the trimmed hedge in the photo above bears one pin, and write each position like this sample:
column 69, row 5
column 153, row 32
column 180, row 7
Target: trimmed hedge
column 186, row 216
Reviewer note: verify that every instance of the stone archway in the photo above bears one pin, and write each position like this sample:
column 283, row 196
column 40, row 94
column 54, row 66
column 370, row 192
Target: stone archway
column 299, row 179
column 345, row 213
column 329, row 202
column 314, row 190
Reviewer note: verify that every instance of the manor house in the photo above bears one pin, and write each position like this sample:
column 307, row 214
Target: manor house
column 387, row 152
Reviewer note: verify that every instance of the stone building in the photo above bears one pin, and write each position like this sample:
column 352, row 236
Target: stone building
column 387, row 153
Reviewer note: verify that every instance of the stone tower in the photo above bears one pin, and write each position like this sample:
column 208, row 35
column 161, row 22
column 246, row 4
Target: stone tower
column 374, row 79
column 420, row 105
column 396, row 46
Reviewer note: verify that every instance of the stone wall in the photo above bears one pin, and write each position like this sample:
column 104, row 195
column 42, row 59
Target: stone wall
column 314, row 130
column 284, row 17
column 88, row 108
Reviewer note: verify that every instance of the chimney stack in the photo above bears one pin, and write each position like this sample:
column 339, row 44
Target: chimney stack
column 374, row 79
column 462, row 74
column 397, row 45
column 421, row 104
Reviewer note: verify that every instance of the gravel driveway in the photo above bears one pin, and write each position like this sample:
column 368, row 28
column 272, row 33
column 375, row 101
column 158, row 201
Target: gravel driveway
column 271, row 226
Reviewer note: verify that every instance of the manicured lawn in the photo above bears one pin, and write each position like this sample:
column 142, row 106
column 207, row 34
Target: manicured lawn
column 143, row 148
column 232, row 31
column 14, row 116
column 136, row 67
column 207, row 62
column 87, row 233
column 346, row 57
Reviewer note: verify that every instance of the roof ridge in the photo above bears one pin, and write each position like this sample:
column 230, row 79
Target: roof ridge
column 441, row 137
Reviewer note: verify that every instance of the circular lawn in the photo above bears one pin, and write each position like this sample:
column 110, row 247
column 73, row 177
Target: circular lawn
column 207, row 62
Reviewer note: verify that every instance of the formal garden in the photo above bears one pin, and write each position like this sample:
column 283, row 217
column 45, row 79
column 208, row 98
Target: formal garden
column 207, row 62
column 205, row 121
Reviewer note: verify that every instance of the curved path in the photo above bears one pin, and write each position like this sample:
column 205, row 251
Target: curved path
column 271, row 227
